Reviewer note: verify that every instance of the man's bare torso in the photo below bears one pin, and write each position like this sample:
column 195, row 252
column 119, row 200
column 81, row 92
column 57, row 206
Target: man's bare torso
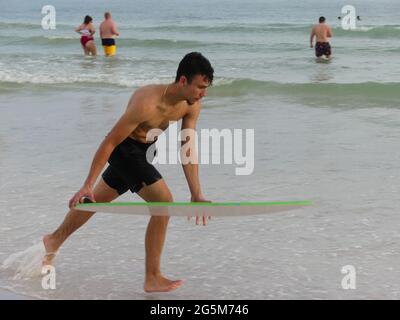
column 322, row 32
column 160, row 113
column 106, row 29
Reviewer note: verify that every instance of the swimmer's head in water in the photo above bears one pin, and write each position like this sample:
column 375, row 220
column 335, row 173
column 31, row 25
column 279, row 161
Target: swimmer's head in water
column 195, row 74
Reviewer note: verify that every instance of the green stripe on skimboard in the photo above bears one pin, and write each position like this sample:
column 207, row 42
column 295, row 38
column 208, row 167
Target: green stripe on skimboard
column 193, row 208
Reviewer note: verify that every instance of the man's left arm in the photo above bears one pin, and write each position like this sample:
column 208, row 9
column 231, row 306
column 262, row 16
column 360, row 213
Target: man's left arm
column 330, row 34
column 114, row 30
column 188, row 153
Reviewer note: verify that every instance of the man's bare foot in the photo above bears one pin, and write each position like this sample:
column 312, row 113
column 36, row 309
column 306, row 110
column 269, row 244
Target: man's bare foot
column 161, row 284
column 51, row 250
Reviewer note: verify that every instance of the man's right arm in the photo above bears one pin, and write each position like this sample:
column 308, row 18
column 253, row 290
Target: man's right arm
column 312, row 35
column 133, row 116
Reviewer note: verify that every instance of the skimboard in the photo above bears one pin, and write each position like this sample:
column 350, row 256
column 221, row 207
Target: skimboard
column 214, row 209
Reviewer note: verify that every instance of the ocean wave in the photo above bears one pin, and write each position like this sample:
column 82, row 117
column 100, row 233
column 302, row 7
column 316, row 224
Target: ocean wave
column 161, row 43
column 222, row 87
column 173, row 34
column 392, row 29
column 384, row 31
column 41, row 40
column 14, row 80
column 227, row 28
column 376, row 32
column 330, row 91
column 29, row 25
column 19, row 25
column 230, row 27
column 8, row 83
column 126, row 42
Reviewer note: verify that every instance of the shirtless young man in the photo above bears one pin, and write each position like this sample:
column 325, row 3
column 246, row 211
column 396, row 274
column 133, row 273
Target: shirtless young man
column 150, row 107
column 108, row 31
column 322, row 31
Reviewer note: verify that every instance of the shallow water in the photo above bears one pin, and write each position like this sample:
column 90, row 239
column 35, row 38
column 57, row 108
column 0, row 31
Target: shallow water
column 341, row 159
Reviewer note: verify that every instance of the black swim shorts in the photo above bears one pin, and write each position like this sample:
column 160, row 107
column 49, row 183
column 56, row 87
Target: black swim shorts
column 128, row 167
column 108, row 42
column 323, row 48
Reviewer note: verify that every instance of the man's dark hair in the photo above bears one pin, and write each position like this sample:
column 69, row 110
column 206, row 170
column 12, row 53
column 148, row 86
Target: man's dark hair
column 192, row 64
column 321, row 19
column 87, row 20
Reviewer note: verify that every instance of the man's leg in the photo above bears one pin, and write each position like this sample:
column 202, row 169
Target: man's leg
column 154, row 241
column 74, row 220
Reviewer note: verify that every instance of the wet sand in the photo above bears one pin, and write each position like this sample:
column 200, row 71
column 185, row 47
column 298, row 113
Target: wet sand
column 8, row 295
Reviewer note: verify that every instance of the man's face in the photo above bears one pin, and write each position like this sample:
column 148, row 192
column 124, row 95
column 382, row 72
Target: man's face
column 196, row 89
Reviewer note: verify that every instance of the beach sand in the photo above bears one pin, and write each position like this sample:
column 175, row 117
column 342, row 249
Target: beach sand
column 8, row 295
